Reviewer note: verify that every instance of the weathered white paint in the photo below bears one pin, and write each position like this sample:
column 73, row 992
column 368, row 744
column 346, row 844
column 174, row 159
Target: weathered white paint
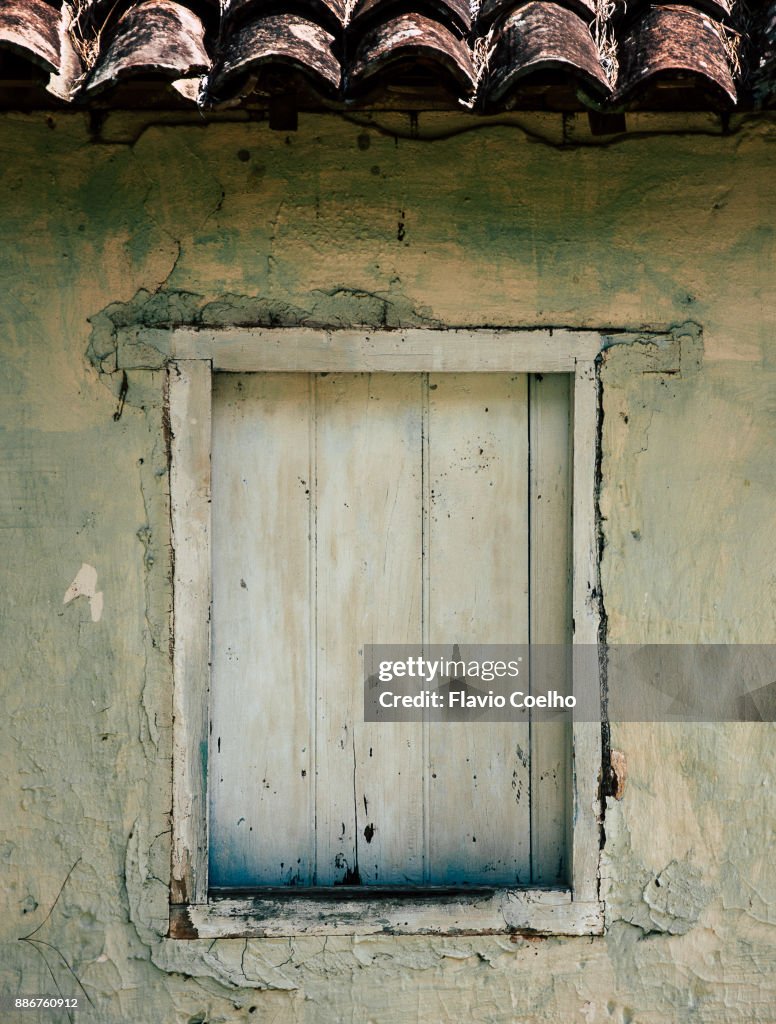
column 370, row 813
column 338, row 912
column 551, row 447
column 552, row 912
column 584, row 840
column 340, row 834
column 85, row 585
column 189, row 405
column 322, row 543
column 306, row 349
column 262, row 762
column 477, row 553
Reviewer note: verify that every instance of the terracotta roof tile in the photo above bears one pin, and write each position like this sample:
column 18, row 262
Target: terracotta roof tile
column 280, row 40
column 455, row 15
column 490, row 10
column 415, row 40
column 540, row 37
column 497, row 54
column 30, row 28
column 718, row 9
column 238, row 13
column 764, row 76
column 675, row 40
column 158, row 37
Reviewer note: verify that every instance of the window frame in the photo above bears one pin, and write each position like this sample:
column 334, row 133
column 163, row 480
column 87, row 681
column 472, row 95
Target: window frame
column 194, row 355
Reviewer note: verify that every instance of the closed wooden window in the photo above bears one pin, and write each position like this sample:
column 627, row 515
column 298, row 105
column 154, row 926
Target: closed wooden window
column 331, row 490
column 406, row 508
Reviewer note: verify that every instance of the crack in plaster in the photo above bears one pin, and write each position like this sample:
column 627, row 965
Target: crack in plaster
column 149, row 726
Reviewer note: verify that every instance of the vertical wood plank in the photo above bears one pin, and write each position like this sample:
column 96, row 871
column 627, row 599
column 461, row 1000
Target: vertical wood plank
column 477, row 552
column 261, row 746
column 584, row 840
column 550, row 600
column 370, row 776
column 188, row 386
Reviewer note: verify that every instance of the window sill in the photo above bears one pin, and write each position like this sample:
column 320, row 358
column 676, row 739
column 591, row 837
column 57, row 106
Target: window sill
column 279, row 913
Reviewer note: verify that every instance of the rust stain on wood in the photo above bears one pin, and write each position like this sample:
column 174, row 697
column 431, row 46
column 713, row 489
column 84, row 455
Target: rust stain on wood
column 181, row 925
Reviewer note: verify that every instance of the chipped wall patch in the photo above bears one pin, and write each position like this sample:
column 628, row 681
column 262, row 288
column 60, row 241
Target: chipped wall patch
column 676, row 898
column 85, row 585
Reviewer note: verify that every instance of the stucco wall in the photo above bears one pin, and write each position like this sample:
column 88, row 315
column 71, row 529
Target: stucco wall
column 341, row 224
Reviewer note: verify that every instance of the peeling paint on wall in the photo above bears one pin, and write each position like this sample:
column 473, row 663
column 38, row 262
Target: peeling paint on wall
column 85, row 585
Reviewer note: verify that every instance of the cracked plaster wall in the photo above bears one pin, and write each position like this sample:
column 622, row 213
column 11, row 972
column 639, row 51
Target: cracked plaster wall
column 342, row 225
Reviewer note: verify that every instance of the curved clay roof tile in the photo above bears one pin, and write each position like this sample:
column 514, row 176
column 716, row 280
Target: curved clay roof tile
column 721, row 10
column 538, row 37
column 491, row 10
column 453, row 14
column 675, row 39
column 30, row 28
column 414, row 37
column 157, row 37
column 237, row 13
column 278, row 39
